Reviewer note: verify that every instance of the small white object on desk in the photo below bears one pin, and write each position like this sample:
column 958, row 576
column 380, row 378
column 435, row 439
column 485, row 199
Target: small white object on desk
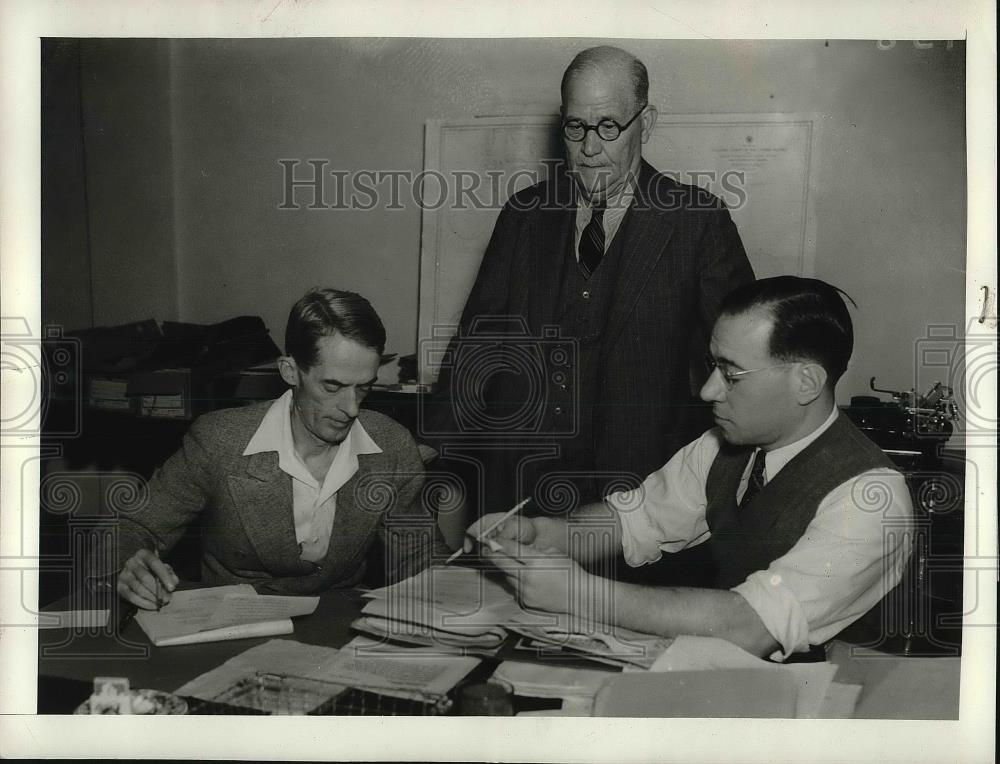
column 73, row 619
column 111, row 696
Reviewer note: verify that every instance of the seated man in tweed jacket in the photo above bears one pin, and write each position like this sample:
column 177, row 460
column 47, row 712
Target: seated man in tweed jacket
column 806, row 520
column 296, row 495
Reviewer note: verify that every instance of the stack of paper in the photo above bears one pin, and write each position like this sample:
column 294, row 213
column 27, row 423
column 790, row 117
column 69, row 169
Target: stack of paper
column 538, row 680
column 456, row 607
column 600, row 642
column 448, row 607
column 221, row 612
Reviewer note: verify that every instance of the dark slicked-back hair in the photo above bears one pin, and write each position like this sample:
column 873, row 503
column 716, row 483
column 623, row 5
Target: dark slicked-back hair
column 810, row 321
column 323, row 312
column 604, row 57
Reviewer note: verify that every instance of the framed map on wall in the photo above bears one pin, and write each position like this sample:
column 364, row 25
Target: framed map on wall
column 763, row 166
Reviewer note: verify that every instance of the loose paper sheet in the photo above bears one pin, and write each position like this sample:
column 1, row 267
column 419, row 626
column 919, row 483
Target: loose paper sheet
column 711, row 653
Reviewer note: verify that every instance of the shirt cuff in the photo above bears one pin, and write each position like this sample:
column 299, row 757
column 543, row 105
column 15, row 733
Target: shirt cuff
column 636, row 528
column 779, row 611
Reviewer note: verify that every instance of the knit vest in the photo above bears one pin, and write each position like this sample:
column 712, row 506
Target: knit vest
column 748, row 539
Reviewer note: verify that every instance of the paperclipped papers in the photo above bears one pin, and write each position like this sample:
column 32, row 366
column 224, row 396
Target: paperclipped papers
column 221, row 612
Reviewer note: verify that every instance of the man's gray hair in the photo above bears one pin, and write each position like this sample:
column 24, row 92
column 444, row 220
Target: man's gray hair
column 605, row 57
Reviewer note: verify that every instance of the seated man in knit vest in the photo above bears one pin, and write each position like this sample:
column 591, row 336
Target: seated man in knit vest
column 807, row 520
column 294, row 496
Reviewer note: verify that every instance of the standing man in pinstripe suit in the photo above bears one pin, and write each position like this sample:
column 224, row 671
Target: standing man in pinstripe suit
column 572, row 371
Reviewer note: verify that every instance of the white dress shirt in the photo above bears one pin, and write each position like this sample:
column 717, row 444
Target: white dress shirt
column 851, row 554
column 314, row 505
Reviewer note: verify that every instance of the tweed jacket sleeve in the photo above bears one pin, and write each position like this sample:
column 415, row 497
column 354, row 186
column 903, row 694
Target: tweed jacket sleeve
column 175, row 497
column 408, row 536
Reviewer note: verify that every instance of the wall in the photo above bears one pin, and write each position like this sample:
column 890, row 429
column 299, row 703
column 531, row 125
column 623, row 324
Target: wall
column 126, row 93
column 66, row 284
column 205, row 135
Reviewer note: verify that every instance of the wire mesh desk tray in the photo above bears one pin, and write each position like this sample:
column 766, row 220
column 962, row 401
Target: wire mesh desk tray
column 278, row 694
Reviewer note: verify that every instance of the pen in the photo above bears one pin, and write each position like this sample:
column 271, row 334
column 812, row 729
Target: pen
column 155, row 549
column 485, row 534
column 159, row 594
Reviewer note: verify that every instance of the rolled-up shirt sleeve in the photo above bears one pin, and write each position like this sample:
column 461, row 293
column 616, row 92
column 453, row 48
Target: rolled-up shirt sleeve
column 853, row 552
column 667, row 512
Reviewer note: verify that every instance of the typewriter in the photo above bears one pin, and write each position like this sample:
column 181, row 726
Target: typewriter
column 909, row 427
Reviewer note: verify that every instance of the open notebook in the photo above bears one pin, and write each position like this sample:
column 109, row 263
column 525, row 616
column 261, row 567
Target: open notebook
column 222, row 612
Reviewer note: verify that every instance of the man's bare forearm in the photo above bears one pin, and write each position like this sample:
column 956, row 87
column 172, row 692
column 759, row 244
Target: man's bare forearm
column 672, row 611
column 592, row 532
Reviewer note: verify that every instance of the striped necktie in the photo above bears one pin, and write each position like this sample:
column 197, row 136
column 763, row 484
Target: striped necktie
column 756, row 481
column 592, row 241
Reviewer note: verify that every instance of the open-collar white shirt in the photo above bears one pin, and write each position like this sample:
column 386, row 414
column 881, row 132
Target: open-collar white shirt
column 314, row 504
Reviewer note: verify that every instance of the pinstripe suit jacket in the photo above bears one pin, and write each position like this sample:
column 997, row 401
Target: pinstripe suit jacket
column 244, row 507
column 681, row 253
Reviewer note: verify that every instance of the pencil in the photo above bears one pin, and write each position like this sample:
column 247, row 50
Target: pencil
column 485, row 534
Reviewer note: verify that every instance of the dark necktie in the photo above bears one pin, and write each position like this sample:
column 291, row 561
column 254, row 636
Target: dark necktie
column 592, row 241
column 756, row 481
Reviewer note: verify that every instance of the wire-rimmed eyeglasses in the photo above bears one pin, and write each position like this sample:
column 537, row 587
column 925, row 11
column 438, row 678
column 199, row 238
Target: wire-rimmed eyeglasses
column 607, row 129
column 732, row 377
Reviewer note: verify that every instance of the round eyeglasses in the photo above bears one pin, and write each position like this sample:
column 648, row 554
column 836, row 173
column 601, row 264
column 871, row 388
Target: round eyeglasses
column 607, row 129
column 730, row 378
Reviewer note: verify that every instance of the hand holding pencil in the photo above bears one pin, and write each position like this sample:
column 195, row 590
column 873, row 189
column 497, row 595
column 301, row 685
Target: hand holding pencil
column 498, row 526
column 146, row 581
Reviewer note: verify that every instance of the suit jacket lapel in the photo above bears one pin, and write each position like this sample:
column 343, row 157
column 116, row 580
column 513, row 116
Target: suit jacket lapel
column 263, row 498
column 360, row 506
column 548, row 240
column 647, row 229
